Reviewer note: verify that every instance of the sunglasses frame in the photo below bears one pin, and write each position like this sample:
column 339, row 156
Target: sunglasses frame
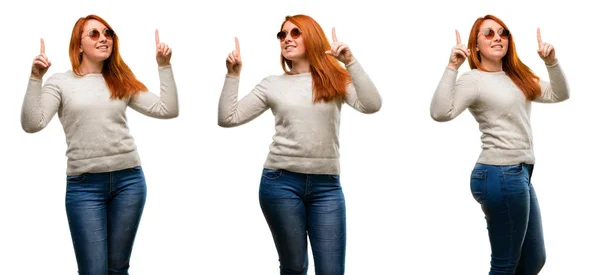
column 94, row 34
column 295, row 33
column 503, row 33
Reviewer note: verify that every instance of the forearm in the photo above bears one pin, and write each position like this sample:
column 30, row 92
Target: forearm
column 233, row 112
column 559, row 88
column 166, row 105
column 442, row 104
column 367, row 95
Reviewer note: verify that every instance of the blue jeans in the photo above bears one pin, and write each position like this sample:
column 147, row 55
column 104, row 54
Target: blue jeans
column 297, row 206
column 513, row 217
column 104, row 211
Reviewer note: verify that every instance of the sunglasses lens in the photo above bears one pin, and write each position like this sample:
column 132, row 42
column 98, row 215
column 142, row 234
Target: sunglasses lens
column 281, row 35
column 503, row 33
column 488, row 33
column 109, row 34
column 94, row 34
column 295, row 33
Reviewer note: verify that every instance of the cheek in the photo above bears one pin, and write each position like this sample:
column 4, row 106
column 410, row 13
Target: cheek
column 301, row 47
column 479, row 41
column 300, row 43
column 87, row 47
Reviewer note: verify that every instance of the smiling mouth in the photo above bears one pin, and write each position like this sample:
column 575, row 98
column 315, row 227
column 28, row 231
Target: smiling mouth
column 102, row 47
column 497, row 47
column 290, row 46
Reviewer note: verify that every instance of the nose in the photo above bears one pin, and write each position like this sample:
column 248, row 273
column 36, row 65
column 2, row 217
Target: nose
column 497, row 37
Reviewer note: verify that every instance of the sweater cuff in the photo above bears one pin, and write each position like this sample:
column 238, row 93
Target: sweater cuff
column 553, row 65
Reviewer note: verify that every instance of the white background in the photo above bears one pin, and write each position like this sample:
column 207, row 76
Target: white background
column 405, row 176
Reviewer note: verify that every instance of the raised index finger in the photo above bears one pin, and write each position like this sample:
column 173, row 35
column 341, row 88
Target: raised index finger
column 539, row 37
column 156, row 38
column 42, row 46
column 458, row 41
column 334, row 36
column 237, row 46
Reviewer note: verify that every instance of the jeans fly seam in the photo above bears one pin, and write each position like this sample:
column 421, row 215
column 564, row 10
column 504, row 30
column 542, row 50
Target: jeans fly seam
column 307, row 187
column 110, row 182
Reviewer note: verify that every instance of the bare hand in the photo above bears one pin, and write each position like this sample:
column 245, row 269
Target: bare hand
column 40, row 63
column 163, row 52
column 234, row 61
column 340, row 50
column 459, row 53
column 545, row 50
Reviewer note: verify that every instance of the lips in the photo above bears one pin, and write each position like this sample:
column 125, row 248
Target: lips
column 497, row 47
column 289, row 46
column 102, row 47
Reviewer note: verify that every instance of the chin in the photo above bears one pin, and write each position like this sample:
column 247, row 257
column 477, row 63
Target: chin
column 102, row 57
column 496, row 56
column 289, row 57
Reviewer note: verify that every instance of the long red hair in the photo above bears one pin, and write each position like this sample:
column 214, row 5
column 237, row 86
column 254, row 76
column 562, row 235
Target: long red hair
column 518, row 72
column 328, row 76
column 119, row 78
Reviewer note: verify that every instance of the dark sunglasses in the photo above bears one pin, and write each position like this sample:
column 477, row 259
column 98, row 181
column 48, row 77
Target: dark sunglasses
column 295, row 33
column 489, row 33
column 94, row 34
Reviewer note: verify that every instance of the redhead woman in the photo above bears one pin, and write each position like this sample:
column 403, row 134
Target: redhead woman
column 498, row 91
column 106, row 187
column 300, row 192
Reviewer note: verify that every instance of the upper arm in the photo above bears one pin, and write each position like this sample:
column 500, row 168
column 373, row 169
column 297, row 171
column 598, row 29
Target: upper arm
column 368, row 102
column 233, row 112
column 40, row 104
column 165, row 105
column 149, row 104
column 453, row 96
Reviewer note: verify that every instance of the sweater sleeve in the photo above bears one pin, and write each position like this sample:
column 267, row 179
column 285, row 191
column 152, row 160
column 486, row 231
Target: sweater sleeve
column 40, row 104
column 362, row 94
column 557, row 89
column 164, row 106
column 453, row 96
column 233, row 112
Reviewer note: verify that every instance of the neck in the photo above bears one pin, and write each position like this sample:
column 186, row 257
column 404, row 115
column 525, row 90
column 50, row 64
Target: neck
column 90, row 67
column 491, row 66
column 300, row 67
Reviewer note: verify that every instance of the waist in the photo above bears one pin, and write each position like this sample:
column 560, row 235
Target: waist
column 501, row 156
column 305, row 165
column 104, row 163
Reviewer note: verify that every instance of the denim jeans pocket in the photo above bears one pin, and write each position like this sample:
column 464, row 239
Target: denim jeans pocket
column 478, row 184
column 76, row 178
column 513, row 170
column 271, row 174
column 516, row 178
